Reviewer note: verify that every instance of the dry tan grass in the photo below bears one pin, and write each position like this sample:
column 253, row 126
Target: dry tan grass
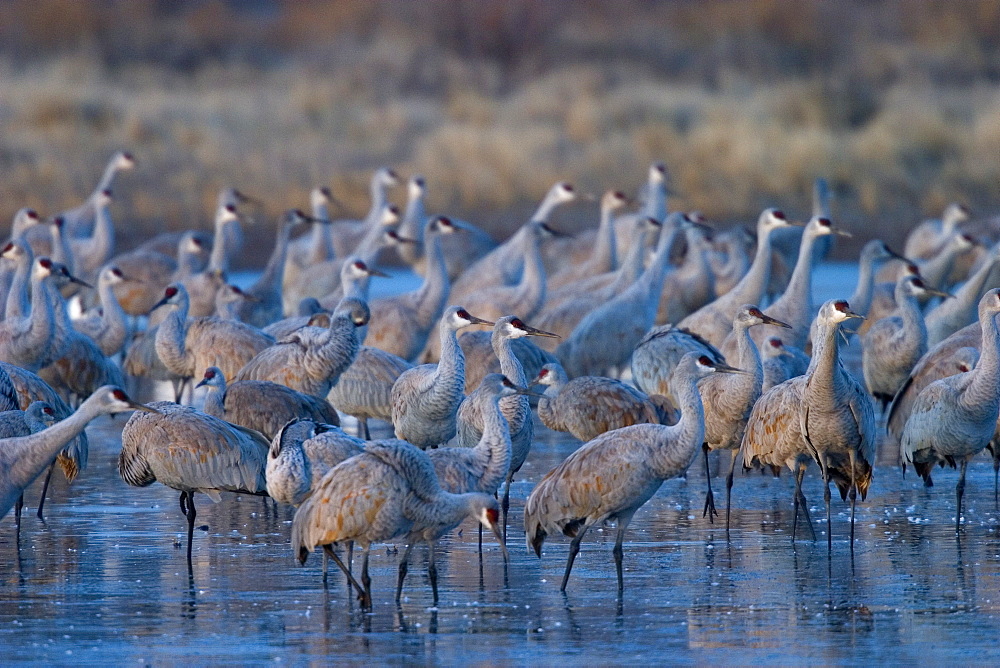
column 747, row 102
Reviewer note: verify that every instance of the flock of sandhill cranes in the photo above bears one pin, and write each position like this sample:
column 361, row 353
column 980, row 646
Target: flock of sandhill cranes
column 647, row 338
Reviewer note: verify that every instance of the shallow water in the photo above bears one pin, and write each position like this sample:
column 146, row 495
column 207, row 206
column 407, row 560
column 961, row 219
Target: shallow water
column 105, row 580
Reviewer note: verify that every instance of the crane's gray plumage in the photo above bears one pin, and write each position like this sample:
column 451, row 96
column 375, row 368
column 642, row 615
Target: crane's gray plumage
column 952, row 314
column 110, row 329
column 588, row 406
column 659, row 353
column 311, row 359
column 301, row 453
column 604, row 256
column 954, row 418
column 190, row 451
column 612, row 476
column 781, row 362
column 14, row 423
column 825, row 415
column 260, row 404
column 480, row 360
column 364, row 390
column 389, row 491
column 81, row 219
column 23, row 458
column 893, row 345
column 425, row 399
column 25, row 341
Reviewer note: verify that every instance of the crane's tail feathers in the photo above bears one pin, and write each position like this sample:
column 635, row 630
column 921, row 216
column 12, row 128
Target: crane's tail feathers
column 303, row 555
column 535, row 540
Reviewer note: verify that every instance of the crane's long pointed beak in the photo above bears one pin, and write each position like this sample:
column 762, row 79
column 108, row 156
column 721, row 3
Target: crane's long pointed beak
column 480, row 321
column 74, row 279
column 938, row 293
column 725, row 368
column 376, row 272
column 529, row 393
column 842, row 233
column 503, row 546
column 141, row 407
column 203, row 381
column 531, row 331
column 768, row 320
column 159, row 304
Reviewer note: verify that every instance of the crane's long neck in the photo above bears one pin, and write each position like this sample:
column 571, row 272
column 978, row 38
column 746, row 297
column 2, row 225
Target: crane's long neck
column 215, row 398
column 861, row 300
column 605, row 255
column 320, row 236
column 107, row 177
column 114, row 315
column 655, row 202
column 219, row 259
column 61, row 252
column 967, row 297
column 171, row 339
column 531, row 290
column 103, row 239
column 25, row 457
column 433, row 293
column 547, row 206
column 380, row 200
column 18, row 298
column 650, row 284
column 797, row 297
column 494, row 445
column 754, row 283
column 412, row 227
column 516, row 408
column 675, row 452
column 451, row 367
column 58, row 305
column 908, row 308
column 981, row 394
column 825, row 372
column 748, row 357
column 935, row 270
column 41, row 324
column 274, row 270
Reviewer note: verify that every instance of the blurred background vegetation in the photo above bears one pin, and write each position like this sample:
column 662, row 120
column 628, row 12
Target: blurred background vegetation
column 896, row 102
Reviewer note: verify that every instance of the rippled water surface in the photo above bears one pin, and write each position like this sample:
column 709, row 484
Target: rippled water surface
column 104, row 580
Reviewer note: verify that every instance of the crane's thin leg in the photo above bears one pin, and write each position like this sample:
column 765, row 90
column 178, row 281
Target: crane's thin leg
column 709, row 497
column 480, row 543
column 853, row 494
column 187, row 507
column 505, row 504
column 350, row 578
column 366, row 601
column 574, row 548
column 959, row 491
column 403, row 565
column 618, row 556
column 432, row 571
column 178, row 384
column 800, row 502
column 996, row 476
column 18, row 507
column 826, row 498
column 45, row 490
column 363, row 423
column 729, row 488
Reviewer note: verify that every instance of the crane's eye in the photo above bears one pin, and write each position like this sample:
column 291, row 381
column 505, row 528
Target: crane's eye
column 780, row 215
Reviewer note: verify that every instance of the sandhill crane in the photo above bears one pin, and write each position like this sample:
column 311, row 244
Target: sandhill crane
column 781, row 362
column 311, row 359
column 190, row 452
column 893, row 345
column 527, row 296
column 728, row 400
column 355, row 275
column 25, row 340
column 604, row 256
column 505, row 263
column 714, row 321
column 364, row 390
column 951, row 315
column 17, row 302
column 459, row 251
column 425, row 399
column 29, row 388
column 228, row 300
column 80, row 220
column 566, row 308
column 653, row 204
column 732, row 259
column 389, row 491
column 480, row 360
column 92, row 252
column 260, row 404
column 588, row 406
column 692, row 284
column 825, row 415
column 940, row 362
column 317, row 245
column 606, row 337
column 149, row 273
column 228, row 238
column 401, row 324
column 794, row 307
column 938, row 270
column 517, row 410
column 266, row 290
column 13, row 423
column 22, row 459
column 301, row 453
column 873, row 254
column 954, row 418
column 110, row 329
column 188, row 346
column 347, row 234
column 924, row 241
column 612, row 476
column 659, row 353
